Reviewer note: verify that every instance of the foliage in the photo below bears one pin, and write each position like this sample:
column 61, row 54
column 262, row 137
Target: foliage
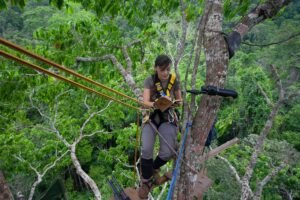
column 94, row 29
column 274, row 153
column 247, row 114
column 224, row 184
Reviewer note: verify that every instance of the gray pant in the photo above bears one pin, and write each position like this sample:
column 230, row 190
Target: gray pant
column 169, row 133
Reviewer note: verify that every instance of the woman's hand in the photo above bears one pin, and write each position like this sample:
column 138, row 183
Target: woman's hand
column 149, row 104
column 177, row 103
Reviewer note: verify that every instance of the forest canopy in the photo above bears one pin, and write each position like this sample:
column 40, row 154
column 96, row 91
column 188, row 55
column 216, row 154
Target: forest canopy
column 43, row 120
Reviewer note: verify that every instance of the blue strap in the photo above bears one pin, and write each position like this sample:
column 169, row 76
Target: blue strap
column 175, row 172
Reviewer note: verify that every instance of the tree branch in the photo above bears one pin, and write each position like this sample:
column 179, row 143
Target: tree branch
column 51, row 121
column 278, row 83
column 293, row 95
column 217, row 150
column 81, row 134
column 111, row 57
column 259, row 145
column 273, row 43
column 85, row 102
column 262, row 12
column 286, row 194
column 72, row 148
column 128, row 59
column 136, row 41
column 93, row 133
column 269, row 102
column 88, row 180
column 38, row 174
column 83, row 174
column 232, row 168
column 37, row 108
column 124, row 164
column 181, row 44
column 200, row 36
column 162, row 191
column 126, row 75
column 235, row 173
column 261, row 184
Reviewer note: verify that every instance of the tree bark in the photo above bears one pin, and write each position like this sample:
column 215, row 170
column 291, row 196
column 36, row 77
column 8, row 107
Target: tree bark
column 216, row 67
column 5, row 191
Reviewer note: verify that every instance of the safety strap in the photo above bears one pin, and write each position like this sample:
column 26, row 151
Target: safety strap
column 159, row 89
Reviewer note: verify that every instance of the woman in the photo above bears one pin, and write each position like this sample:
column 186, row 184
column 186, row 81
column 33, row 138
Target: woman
column 162, row 83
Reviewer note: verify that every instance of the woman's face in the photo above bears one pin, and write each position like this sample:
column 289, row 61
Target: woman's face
column 163, row 74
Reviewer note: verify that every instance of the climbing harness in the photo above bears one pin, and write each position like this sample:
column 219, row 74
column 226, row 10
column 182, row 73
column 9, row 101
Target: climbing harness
column 175, row 172
column 38, row 68
column 167, row 115
column 159, row 89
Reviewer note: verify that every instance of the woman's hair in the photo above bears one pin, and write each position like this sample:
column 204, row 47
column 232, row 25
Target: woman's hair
column 162, row 61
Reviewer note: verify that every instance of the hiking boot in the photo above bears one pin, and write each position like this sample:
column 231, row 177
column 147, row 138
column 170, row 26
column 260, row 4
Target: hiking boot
column 145, row 188
column 156, row 174
column 159, row 180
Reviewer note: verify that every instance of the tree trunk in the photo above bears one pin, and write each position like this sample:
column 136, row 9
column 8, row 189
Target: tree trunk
column 216, row 70
column 4, row 189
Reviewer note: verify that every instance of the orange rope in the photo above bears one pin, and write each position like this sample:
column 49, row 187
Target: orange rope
column 22, row 50
column 63, row 78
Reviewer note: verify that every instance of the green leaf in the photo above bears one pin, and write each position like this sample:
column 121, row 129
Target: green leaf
column 2, row 4
column 69, row 9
